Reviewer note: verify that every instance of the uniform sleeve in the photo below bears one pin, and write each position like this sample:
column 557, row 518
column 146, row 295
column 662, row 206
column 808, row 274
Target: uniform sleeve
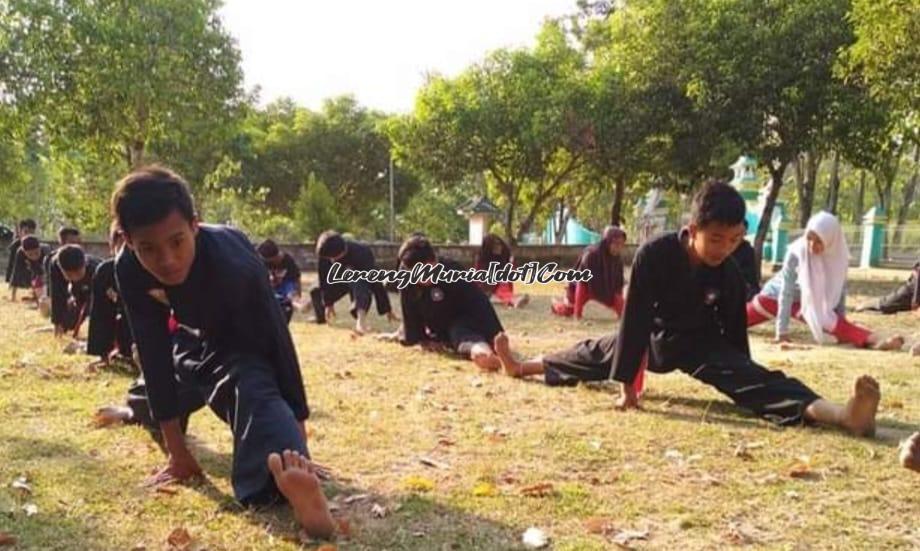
column 148, row 319
column 102, row 313
column 13, row 249
column 636, row 324
column 788, row 278
column 413, row 328
column 736, row 317
column 382, row 298
column 57, row 290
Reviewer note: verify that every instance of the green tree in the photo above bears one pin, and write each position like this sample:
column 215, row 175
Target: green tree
column 119, row 75
column 315, row 210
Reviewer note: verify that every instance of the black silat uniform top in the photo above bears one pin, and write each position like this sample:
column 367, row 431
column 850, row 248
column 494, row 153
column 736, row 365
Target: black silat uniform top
column 357, row 257
column 678, row 313
column 228, row 300
column 429, row 312
column 106, row 307
column 287, row 271
column 61, row 290
column 25, row 270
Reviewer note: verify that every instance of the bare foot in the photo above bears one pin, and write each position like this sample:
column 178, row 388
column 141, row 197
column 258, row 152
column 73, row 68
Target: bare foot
column 112, row 415
column 858, row 415
column 891, row 343
column 910, row 453
column 296, row 479
column 503, row 351
column 915, row 349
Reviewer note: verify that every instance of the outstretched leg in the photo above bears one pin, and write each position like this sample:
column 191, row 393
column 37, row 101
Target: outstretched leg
column 513, row 367
column 857, row 416
column 296, row 479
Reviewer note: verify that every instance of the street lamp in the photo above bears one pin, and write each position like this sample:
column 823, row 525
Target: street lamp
column 380, row 176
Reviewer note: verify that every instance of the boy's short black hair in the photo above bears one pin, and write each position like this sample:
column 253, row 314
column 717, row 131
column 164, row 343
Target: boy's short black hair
column 30, row 243
column 330, row 244
column 268, row 249
column 717, row 202
column 415, row 250
column 67, row 232
column 148, row 195
column 28, row 224
column 71, row 257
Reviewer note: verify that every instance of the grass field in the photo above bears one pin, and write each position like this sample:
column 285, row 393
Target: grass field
column 427, row 453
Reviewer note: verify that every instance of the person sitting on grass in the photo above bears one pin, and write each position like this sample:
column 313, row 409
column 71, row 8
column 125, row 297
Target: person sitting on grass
column 494, row 249
column 605, row 262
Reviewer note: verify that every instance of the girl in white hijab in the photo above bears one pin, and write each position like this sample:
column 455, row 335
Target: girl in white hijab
column 812, row 287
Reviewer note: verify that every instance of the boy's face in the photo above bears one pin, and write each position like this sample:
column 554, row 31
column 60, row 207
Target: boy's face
column 32, row 254
column 74, row 276
column 616, row 245
column 166, row 248
column 715, row 242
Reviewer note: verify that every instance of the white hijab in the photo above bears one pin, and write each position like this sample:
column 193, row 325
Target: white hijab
column 822, row 277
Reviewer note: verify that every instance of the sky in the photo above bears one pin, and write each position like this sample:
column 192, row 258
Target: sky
column 379, row 51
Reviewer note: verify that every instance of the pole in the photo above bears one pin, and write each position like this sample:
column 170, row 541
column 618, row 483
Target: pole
column 392, row 210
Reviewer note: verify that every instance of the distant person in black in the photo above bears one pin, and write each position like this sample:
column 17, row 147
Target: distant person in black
column 30, row 261
column 903, row 299
column 53, row 277
column 233, row 346
column 71, row 292
column 18, row 275
column 109, row 334
column 686, row 310
column 456, row 316
column 331, row 248
column 284, row 275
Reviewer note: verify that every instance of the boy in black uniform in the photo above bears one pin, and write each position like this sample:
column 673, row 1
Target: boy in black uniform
column 685, row 309
column 331, row 247
column 108, row 327
column 284, row 274
column 53, row 277
column 72, row 289
column 234, row 348
column 438, row 315
column 18, row 275
column 29, row 267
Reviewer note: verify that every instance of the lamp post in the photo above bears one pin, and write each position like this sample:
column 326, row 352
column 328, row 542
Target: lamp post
column 391, row 173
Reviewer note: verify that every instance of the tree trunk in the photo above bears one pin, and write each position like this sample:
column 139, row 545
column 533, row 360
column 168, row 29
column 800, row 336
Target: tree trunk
column 616, row 210
column 509, row 218
column 833, row 189
column 910, row 190
column 806, row 172
column 776, row 182
column 560, row 221
column 860, row 198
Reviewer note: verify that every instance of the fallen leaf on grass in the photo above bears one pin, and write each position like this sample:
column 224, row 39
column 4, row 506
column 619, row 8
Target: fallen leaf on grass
column 803, row 470
column 356, row 497
column 538, row 490
column 21, row 484
column 378, row 511
column 168, row 490
column 738, row 535
column 30, row 509
column 742, row 452
column 179, row 539
column 485, row 489
column 534, row 538
column 7, row 539
column 446, row 442
column 624, row 537
column 327, row 547
column 429, row 462
column 599, row 525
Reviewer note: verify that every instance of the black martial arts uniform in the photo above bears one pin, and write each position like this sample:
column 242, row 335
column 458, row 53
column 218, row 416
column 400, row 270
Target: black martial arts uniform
column 108, row 326
column 457, row 314
column 20, row 272
column 357, row 257
column 745, row 259
column 691, row 318
column 233, row 351
column 70, row 301
column 903, row 299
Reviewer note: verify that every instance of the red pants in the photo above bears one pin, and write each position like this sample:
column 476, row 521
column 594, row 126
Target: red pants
column 762, row 308
column 504, row 293
column 577, row 297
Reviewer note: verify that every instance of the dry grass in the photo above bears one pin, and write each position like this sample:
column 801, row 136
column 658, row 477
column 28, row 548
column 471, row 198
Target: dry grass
column 691, row 470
